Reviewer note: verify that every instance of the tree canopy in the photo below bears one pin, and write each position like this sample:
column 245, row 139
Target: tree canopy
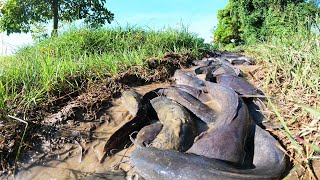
column 18, row 16
column 251, row 20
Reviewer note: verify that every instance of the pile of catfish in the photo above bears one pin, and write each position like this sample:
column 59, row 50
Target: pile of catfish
column 201, row 127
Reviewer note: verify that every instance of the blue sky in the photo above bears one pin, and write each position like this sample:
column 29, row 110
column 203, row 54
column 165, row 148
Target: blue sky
column 199, row 16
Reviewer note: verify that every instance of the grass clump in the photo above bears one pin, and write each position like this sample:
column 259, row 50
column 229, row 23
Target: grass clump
column 291, row 74
column 61, row 64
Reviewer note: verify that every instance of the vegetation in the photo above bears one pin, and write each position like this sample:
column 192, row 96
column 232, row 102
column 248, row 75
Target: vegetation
column 248, row 21
column 290, row 75
column 55, row 64
column 19, row 15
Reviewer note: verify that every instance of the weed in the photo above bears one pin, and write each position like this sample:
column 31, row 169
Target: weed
column 292, row 74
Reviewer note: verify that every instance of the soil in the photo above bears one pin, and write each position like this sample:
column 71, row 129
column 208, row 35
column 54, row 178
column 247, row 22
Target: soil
column 82, row 158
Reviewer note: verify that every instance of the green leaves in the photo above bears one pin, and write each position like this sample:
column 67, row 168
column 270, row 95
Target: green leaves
column 229, row 27
column 251, row 20
column 93, row 12
column 18, row 16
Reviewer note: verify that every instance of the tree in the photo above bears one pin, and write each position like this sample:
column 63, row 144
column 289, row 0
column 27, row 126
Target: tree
column 229, row 26
column 18, row 16
column 252, row 20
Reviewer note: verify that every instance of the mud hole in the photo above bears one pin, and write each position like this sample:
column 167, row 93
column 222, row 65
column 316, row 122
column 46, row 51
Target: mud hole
column 62, row 125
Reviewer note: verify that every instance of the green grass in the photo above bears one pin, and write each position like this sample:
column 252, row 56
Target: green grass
column 60, row 64
column 296, row 59
column 292, row 77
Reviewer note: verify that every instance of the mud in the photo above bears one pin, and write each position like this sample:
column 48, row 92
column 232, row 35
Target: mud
column 82, row 159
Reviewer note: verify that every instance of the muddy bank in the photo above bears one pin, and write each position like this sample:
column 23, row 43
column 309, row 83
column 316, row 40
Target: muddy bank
column 74, row 116
column 82, row 158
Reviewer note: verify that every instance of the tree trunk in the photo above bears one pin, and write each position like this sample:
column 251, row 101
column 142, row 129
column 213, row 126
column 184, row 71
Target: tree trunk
column 55, row 10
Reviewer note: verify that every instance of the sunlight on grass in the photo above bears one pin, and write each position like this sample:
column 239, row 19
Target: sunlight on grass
column 292, row 74
column 59, row 64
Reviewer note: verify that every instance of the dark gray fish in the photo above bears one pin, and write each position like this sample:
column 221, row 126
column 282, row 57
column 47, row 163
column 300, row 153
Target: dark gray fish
column 268, row 163
column 225, row 69
column 225, row 141
column 220, row 98
column 207, row 69
column 131, row 100
column 238, row 84
column 218, row 105
column 226, row 64
column 187, row 78
column 178, row 129
column 203, row 62
column 193, row 104
column 121, row 137
column 225, row 98
column 148, row 133
column 240, row 61
column 235, row 58
column 222, row 60
column 204, row 69
column 198, row 93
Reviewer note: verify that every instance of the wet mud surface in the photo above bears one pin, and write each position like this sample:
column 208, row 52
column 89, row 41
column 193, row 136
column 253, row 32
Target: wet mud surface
column 82, row 159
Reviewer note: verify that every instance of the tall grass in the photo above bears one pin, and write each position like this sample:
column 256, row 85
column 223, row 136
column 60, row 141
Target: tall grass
column 61, row 63
column 292, row 75
column 296, row 59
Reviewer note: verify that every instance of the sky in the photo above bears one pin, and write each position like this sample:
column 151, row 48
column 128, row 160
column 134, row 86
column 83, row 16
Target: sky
column 199, row 16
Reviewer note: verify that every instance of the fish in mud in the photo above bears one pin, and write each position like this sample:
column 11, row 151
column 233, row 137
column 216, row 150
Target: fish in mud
column 193, row 104
column 148, row 133
column 225, row 141
column 238, row 84
column 268, row 162
column 131, row 100
column 143, row 114
column 178, row 129
column 187, row 78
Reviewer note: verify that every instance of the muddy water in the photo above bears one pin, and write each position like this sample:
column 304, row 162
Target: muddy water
column 81, row 160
